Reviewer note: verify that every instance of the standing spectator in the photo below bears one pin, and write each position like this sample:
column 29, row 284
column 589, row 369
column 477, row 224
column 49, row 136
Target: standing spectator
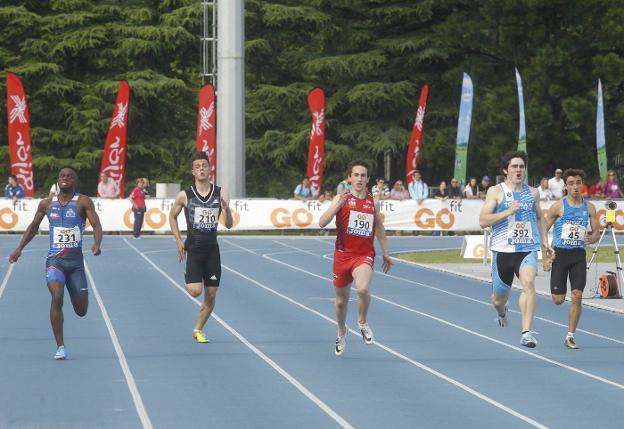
column 380, row 191
column 556, row 185
column 107, row 188
column 344, row 186
column 418, row 189
column 454, row 189
column 303, row 191
column 544, row 192
column 611, row 186
column 484, row 186
column 399, row 192
column 471, row 191
column 13, row 189
column 54, row 190
column 595, row 190
column 442, row 193
column 137, row 198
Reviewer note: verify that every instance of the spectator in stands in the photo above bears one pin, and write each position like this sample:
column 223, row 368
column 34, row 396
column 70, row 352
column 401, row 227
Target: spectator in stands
column 595, row 190
column 556, row 185
column 137, row 198
column 442, row 193
column 399, row 192
column 544, row 192
column 380, row 191
column 611, row 186
column 13, row 189
column 328, row 195
column 454, row 190
column 107, row 188
column 471, row 191
column 484, row 186
column 303, row 191
column 418, row 189
column 54, row 190
column 344, row 186
column 585, row 190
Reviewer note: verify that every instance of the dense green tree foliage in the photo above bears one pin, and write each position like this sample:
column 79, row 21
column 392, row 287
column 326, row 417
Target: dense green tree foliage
column 370, row 56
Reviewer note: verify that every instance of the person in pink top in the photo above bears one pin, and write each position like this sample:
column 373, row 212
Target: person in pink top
column 107, row 188
column 611, row 186
column 137, row 198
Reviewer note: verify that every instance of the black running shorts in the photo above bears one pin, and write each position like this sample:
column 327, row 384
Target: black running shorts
column 203, row 266
column 568, row 263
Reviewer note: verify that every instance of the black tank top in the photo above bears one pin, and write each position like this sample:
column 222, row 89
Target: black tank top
column 202, row 218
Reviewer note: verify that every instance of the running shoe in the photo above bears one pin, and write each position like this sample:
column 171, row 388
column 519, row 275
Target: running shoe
column 200, row 337
column 570, row 343
column 341, row 343
column 367, row 333
column 502, row 320
column 61, row 353
column 528, row 340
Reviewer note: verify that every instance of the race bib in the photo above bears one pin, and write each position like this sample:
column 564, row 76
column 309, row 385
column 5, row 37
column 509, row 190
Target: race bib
column 573, row 235
column 66, row 237
column 519, row 233
column 206, row 218
column 360, row 224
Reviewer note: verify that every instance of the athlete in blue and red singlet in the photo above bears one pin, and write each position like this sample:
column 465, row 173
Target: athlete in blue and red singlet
column 357, row 224
column 67, row 213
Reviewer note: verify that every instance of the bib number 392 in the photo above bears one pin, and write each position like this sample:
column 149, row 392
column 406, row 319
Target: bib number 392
column 520, row 233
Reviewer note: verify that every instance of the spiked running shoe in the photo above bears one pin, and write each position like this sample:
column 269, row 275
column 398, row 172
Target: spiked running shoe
column 570, row 343
column 528, row 340
column 200, row 337
column 341, row 343
column 502, row 320
column 367, row 333
column 61, row 353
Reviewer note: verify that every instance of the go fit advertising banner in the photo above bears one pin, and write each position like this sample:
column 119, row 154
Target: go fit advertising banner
column 270, row 214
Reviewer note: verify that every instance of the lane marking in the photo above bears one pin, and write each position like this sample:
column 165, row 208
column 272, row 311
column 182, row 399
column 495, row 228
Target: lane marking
column 6, row 279
column 292, row 380
column 134, row 391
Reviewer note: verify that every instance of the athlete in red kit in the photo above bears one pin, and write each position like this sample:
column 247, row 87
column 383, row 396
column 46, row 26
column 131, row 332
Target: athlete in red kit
column 357, row 223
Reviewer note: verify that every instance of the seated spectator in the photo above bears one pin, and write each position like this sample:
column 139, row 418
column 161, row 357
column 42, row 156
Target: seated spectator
column 454, row 189
column 13, row 189
column 471, row 191
column 611, row 186
column 484, row 186
column 303, row 191
column 544, row 192
column 399, row 192
column 442, row 193
column 595, row 190
column 418, row 189
column 328, row 195
column 107, row 188
column 380, row 190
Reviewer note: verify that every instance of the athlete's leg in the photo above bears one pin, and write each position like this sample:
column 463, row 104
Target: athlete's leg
column 57, row 289
column 194, row 289
column 362, row 276
column 502, row 277
column 527, row 296
column 206, row 307
column 578, row 278
column 76, row 283
column 342, row 301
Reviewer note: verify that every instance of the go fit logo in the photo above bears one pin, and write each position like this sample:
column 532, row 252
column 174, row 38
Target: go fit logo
column 283, row 218
column 426, row 218
column 8, row 218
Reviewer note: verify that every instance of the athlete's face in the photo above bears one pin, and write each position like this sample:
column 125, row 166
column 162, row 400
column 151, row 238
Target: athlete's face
column 67, row 179
column 358, row 178
column 201, row 169
column 515, row 170
column 573, row 185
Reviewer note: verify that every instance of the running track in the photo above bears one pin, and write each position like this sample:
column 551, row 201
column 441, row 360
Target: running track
column 439, row 361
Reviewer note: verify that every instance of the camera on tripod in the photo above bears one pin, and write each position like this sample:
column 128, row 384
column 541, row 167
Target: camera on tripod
column 610, row 206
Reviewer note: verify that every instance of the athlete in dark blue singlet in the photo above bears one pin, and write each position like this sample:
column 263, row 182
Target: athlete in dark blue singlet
column 66, row 213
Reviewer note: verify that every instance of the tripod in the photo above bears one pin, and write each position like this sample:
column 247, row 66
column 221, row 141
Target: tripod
column 616, row 252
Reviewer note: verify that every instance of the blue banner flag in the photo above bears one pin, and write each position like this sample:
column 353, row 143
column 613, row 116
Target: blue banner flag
column 463, row 129
column 601, row 144
column 522, row 132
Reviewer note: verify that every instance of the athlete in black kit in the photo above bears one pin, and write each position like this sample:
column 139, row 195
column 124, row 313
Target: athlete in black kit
column 202, row 204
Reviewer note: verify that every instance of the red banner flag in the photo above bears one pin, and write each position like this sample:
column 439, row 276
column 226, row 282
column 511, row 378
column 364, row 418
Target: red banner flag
column 206, row 127
column 114, row 157
column 19, row 135
column 415, row 146
column 316, row 152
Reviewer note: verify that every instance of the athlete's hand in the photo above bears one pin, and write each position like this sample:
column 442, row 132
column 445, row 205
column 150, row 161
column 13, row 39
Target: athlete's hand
column 224, row 205
column 180, row 250
column 513, row 207
column 13, row 257
column 386, row 263
column 96, row 249
column 343, row 198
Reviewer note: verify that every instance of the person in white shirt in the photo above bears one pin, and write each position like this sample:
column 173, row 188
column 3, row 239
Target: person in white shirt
column 107, row 188
column 471, row 191
column 380, row 190
column 556, row 185
column 418, row 189
column 544, row 192
column 54, row 190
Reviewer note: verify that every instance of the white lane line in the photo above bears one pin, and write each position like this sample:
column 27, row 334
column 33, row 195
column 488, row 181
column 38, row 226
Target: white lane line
column 134, row 391
column 466, row 330
column 5, row 280
column 401, row 356
column 329, row 256
column 292, row 380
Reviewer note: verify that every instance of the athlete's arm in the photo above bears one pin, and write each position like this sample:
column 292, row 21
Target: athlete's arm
column 31, row 230
column 334, row 207
column 541, row 223
column 225, row 206
column 487, row 217
column 595, row 225
column 380, row 231
column 554, row 213
column 94, row 220
column 176, row 208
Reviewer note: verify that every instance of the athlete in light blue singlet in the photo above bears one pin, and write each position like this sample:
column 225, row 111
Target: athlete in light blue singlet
column 518, row 231
column 573, row 218
column 66, row 213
